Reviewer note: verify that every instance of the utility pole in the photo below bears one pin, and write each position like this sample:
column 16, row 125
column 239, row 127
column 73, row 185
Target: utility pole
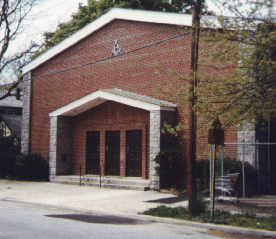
column 191, row 157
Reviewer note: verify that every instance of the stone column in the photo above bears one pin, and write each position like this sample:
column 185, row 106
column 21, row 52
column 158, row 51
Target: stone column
column 155, row 134
column 26, row 114
column 53, row 147
column 64, row 143
column 60, row 146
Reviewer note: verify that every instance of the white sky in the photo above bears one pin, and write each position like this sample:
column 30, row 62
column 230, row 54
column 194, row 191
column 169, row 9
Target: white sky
column 49, row 13
column 44, row 17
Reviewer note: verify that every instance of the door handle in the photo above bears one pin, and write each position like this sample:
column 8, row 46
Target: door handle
column 106, row 148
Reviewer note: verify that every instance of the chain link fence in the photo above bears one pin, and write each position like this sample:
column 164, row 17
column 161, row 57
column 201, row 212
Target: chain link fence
column 255, row 163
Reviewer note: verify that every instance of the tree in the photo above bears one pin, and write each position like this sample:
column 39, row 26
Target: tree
column 236, row 68
column 235, row 78
column 244, row 57
column 12, row 15
column 95, row 9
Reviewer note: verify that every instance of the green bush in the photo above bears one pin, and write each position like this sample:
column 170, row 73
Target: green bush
column 201, row 204
column 168, row 169
column 7, row 167
column 7, row 161
column 31, row 167
column 164, row 211
column 203, row 175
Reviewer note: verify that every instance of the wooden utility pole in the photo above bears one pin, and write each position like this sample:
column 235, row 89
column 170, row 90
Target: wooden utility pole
column 191, row 157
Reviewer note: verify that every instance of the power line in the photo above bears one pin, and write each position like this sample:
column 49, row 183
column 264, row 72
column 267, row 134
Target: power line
column 104, row 59
column 111, row 57
column 44, row 10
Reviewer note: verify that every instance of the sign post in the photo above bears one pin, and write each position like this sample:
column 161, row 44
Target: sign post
column 215, row 137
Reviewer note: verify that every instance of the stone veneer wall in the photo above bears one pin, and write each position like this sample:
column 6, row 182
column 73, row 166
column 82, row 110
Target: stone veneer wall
column 60, row 146
column 53, row 147
column 64, row 145
column 158, row 140
column 26, row 114
column 155, row 135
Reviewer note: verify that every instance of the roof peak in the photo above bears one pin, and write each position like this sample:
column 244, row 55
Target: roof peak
column 114, row 14
column 181, row 19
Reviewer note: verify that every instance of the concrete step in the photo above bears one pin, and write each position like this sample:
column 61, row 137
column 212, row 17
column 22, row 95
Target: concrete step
column 129, row 183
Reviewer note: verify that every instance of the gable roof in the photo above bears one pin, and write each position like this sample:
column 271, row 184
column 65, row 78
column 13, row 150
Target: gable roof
column 14, row 123
column 115, row 13
column 117, row 95
column 11, row 101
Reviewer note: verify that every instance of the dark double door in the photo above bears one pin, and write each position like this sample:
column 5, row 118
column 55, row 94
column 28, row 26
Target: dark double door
column 112, row 153
column 134, row 153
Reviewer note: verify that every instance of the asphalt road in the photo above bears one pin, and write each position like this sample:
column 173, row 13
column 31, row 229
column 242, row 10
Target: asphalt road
column 27, row 221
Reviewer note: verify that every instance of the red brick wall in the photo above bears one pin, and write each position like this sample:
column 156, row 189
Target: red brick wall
column 135, row 72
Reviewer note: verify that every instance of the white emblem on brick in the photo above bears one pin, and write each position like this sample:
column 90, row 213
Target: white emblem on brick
column 116, row 49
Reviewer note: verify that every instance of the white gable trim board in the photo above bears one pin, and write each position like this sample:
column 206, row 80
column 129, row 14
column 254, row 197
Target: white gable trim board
column 99, row 97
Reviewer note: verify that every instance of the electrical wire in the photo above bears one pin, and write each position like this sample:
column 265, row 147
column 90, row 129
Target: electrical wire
column 111, row 57
column 102, row 60
column 44, row 10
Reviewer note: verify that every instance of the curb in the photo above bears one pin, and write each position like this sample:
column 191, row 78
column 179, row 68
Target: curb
column 241, row 230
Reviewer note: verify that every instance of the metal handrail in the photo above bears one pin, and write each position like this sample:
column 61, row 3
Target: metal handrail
column 80, row 167
column 100, row 172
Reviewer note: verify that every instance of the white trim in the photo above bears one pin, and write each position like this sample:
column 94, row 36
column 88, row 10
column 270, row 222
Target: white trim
column 167, row 108
column 115, row 13
column 99, row 97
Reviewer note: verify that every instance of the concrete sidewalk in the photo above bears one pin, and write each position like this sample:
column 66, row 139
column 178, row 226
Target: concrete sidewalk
column 90, row 199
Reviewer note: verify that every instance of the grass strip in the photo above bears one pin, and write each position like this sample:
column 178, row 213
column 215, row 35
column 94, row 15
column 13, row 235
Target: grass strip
column 248, row 220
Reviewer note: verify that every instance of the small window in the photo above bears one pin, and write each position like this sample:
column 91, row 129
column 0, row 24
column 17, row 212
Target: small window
column 10, row 112
column 18, row 111
column 2, row 110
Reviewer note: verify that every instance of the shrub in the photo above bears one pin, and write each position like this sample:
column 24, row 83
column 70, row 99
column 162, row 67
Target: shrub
column 202, row 175
column 168, row 169
column 31, row 167
column 7, row 161
column 201, row 204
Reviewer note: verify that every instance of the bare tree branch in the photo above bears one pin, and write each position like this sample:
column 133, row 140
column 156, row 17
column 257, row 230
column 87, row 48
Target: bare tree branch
column 12, row 16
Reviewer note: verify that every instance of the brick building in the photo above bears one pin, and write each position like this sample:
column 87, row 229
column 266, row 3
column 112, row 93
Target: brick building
column 96, row 100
